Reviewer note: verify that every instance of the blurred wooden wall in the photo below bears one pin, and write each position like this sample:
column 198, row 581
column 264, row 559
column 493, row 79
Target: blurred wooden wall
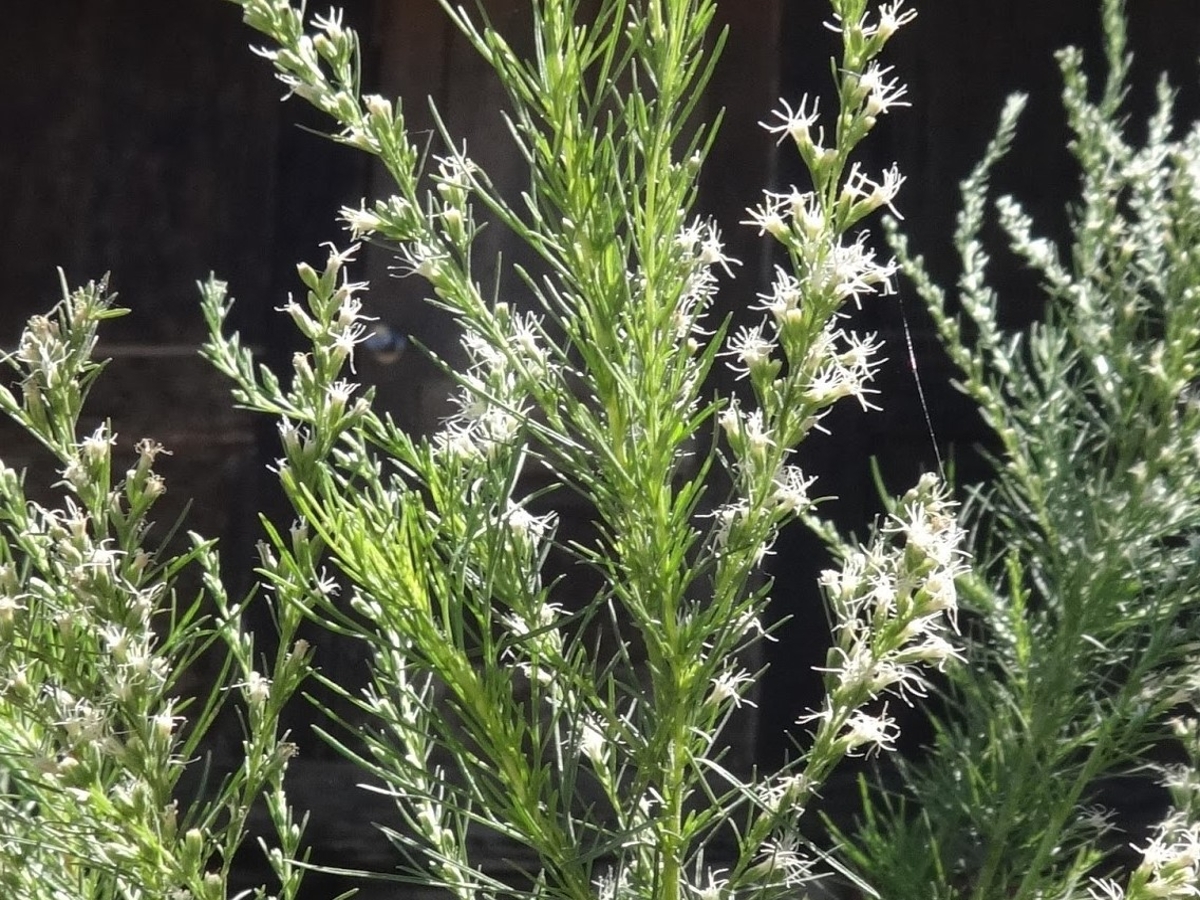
column 144, row 139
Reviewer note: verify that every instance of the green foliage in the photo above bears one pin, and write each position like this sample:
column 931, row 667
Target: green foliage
column 587, row 729
column 1083, row 605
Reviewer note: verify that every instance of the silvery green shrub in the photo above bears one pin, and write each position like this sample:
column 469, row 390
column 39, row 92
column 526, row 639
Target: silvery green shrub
column 1081, row 609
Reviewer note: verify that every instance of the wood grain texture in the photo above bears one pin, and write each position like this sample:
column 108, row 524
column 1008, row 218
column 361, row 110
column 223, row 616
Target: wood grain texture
column 144, row 139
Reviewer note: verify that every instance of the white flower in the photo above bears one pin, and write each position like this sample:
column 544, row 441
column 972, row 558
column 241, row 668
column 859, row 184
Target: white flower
column 715, row 888
column 860, row 353
column 148, row 451
column 256, row 689
column 784, row 297
column 857, row 669
column 875, row 733
column 95, row 449
column 703, row 239
column 727, row 516
column 748, row 623
column 9, row 607
column 934, row 650
column 782, row 792
column 730, row 419
column 484, row 355
column 164, row 724
column 696, row 298
column 862, row 671
column 1172, row 848
column 347, row 337
column 455, row 173
column 117, row 641
column 419, row 258
column 835, row 381
column 891, row 19
column 880, row 94
column 326, row 584
column 796, row 123
column 768, row 216
column 293, row 438
column 931, row 529
column 1106, row 889
column 844, row 584
column 339, row 394
column 528, row 530
column 361, row 221
column 854, row 272
column 458, row 442
column 527, row 341
column 781, row 865
column 712, row 251
column 807, row 210
column 83, row 722
column 751, row 349
column 479, row 429
column 730, row 686
column 1098, row 819
column 873, row 194
column 791, row 490
column 592, row 741
column 378, row 106
column 611, row 885
column 497, row 427
column 941, row 592
column 756, row 434
column 1182, row 778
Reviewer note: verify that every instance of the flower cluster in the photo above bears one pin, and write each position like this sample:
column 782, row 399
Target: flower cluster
column 84, row 684
column 492, row 398
column 800, row 359
column 1170, row 867
column 893, row 603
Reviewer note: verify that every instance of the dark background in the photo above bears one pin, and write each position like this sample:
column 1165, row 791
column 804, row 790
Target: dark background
column 143, row 139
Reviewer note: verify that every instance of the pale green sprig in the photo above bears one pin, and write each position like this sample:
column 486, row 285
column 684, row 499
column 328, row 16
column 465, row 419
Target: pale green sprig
column 894, row 605
column 92, row 707
column 799, row 361
column 531, row 704
column 329, row 468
